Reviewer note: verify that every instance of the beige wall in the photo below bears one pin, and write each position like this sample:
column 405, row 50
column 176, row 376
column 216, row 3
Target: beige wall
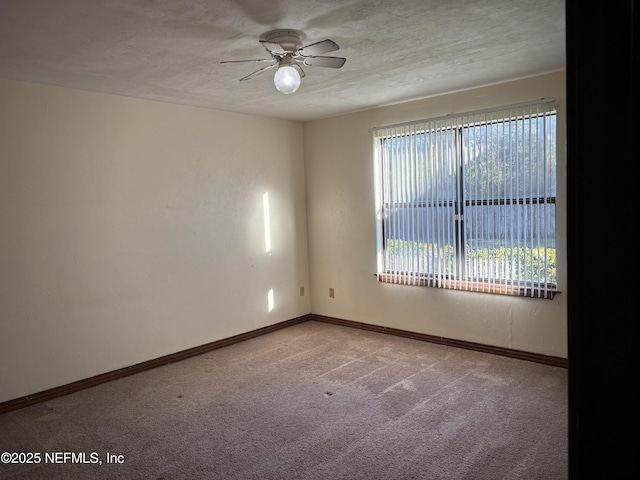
column 132, row 229
column 342, row 232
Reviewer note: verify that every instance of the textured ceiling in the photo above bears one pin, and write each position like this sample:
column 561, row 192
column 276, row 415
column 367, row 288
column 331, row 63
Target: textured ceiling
column 170, row 50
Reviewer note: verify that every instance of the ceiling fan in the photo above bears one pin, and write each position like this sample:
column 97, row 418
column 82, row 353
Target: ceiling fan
column 289, row 55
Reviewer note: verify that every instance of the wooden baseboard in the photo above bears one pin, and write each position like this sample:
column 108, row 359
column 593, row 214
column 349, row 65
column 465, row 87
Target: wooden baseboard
column 67, row 389
column 505, row 352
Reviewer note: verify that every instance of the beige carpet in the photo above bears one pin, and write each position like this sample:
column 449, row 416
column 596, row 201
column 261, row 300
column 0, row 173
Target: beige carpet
column 312, row 401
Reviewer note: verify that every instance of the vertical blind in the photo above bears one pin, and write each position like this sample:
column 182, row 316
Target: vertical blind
column 468, row 201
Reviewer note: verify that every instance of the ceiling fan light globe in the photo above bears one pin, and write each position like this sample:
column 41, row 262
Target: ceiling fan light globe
column 286, row 79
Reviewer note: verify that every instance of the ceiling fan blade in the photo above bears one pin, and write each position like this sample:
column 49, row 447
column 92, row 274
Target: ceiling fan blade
column 331, row 62
column 257, row 72
column 243, row 61
column 325, row 46
column 273, row 48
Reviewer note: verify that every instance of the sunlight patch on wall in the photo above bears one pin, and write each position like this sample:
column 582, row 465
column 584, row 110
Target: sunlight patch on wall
column 267, row 223
column 270, row 300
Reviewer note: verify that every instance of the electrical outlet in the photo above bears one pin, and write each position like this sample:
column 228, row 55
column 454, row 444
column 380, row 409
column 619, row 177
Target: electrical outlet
column 331, row 293
column 302, row 291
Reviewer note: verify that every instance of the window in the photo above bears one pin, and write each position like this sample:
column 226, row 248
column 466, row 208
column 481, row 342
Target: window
column 468, row 202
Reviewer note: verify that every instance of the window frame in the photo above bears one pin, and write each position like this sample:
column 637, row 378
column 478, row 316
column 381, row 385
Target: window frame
column 461, row 204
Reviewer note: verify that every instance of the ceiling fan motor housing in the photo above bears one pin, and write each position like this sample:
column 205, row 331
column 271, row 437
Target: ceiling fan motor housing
column 289, row 40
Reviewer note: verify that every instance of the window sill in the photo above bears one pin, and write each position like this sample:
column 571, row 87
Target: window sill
column 470, row 286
